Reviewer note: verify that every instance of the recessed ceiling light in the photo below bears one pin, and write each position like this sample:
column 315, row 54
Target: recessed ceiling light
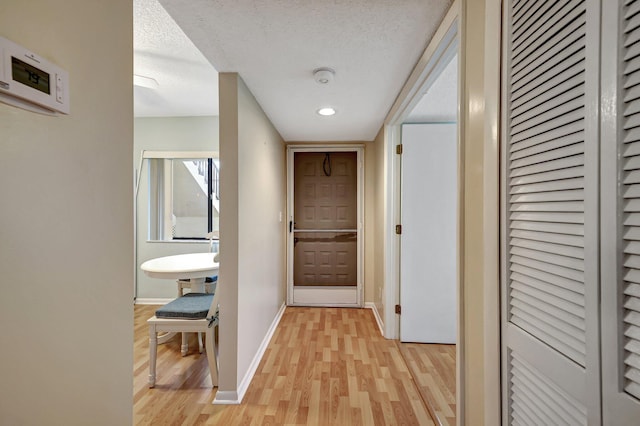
column 326, row 111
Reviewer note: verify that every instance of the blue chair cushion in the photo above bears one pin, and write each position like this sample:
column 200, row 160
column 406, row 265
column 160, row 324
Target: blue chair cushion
column 191, row 306
column 212, row 279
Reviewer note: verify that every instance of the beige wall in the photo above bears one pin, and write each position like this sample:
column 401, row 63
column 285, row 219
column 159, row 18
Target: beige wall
column 369, row 222
column 377, row 235
column 252, row 233
column 480, row 73
column 66, row 223
column 175, row 134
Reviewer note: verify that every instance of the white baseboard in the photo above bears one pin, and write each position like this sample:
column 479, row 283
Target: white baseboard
column 235, row 397
column 151, row 301
column 226, row 398
column 376, row 314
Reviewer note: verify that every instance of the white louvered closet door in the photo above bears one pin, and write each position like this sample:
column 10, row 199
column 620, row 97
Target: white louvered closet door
column 620, row 200
column 550, row 338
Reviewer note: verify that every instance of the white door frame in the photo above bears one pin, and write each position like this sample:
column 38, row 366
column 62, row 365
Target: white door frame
column 442, row 48
column 444, row 44
column 326, row 296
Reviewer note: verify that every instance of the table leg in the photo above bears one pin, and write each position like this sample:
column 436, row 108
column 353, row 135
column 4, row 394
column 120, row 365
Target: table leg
column 197, row 285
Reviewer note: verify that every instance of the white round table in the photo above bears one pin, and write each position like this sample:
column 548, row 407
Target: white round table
column 193, row 266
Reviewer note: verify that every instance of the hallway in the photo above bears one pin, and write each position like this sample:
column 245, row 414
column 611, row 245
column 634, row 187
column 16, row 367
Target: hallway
column 323, row 366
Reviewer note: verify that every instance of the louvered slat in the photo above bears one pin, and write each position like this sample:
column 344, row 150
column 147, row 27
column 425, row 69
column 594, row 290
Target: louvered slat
column 553, row 185
column 526, row 17
column 557, row 159
column 572, row 121
column 564, row 331
column 632, row 247
column 559, row 287
column 571, row 195
column 570, row 241
column 543, row 401
column 557, row 228
column 533, row 157
column 568, row 206
column 537, row 400
column 559, row 82
column 551, row 175
column 557, row 61
column 524, row 299
column 545, row 178
column 552, row 258
column 630, row 163
column 548, row 247
column 559, row 143
column 543, row 35
column 554, row 134
column 564, row 217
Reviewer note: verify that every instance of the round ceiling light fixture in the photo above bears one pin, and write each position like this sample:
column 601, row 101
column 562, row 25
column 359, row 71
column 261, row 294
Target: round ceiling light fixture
column 323, row 75
column 326, row 111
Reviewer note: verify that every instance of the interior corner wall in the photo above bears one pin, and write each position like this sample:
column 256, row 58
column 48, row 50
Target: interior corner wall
column 252, row 237
column 369, row 221
column 479, row 352
column 229, row 254
column 66, row 222
column 378, row 207
column 165, row 134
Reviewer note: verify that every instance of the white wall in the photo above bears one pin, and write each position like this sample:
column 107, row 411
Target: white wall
column 166, row 134
column 66, row 246
column 252, row 234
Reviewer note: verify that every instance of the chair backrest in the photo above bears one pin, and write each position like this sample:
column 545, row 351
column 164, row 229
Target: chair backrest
column 213, row 309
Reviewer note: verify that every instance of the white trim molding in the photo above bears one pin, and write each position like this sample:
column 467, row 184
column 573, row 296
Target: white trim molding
column 235, row 397
column 376, row 315
column 441, row 49
column 151, row 301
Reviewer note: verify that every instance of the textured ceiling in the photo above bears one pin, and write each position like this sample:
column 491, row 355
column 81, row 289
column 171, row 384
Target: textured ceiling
column 187, row 84
column 276, row 44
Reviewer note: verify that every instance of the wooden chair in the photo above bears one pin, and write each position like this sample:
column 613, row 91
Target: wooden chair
column 209, row 287
column 191, row 313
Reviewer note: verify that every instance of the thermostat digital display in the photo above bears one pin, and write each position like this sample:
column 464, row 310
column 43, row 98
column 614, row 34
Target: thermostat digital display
column 31, row 82
column 27, row 74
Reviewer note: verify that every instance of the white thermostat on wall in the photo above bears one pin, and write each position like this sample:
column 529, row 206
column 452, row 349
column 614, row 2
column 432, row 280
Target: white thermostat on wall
column 31, row 82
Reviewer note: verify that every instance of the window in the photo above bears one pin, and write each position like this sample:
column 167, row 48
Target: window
column 183, row 198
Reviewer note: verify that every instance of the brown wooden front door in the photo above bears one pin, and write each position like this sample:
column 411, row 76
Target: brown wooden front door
column 325, row 219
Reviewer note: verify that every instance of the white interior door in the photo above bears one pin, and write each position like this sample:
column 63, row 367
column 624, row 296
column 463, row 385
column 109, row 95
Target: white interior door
column 550, row 293
column 428, row 240
column 620, row 227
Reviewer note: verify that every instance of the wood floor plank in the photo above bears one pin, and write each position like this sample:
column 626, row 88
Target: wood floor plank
column 323, row 366
column 433, row 368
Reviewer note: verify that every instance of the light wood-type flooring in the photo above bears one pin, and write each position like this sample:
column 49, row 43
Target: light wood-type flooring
column 433, row 368
column 323, row 366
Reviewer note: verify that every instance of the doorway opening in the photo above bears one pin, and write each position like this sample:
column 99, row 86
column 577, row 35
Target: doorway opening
column 431, row 88
column 325, row 216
